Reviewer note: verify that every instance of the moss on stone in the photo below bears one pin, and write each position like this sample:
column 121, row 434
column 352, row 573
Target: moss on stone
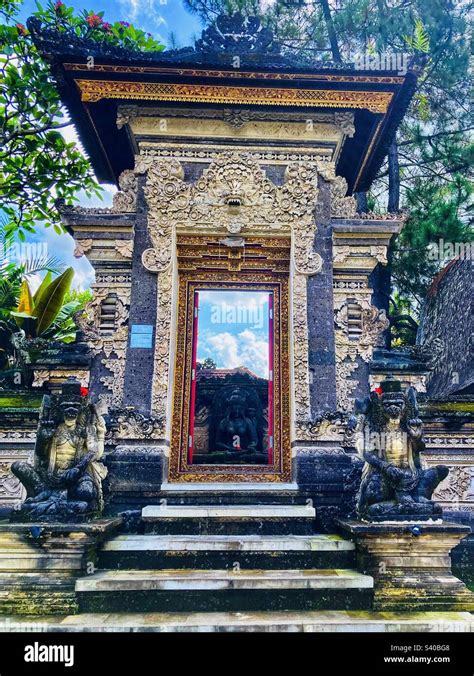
column 21, row 401
column 29, row 602
column 453, row 407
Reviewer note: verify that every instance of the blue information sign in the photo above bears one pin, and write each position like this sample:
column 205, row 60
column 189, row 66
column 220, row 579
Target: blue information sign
column 142, row 336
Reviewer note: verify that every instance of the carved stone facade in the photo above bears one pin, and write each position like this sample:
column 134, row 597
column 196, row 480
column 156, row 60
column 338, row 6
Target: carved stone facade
column 249, row 188
column 358, row 327
column 108, row 345
column 232, row 196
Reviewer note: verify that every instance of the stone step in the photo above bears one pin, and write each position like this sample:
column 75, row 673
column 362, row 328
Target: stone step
column 225, row 551
column 286, row 621
column 235, row 519
column 223, row 590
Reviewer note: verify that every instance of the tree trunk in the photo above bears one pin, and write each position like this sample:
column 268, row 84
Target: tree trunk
column 362, row 206
column 393, row 179
column 336, row 54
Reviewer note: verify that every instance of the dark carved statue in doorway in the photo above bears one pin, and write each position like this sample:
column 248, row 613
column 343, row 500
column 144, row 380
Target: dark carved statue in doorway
column 389, row 433
column 237, row 431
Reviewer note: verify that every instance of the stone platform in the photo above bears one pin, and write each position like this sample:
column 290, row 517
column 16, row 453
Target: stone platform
column 231, row 519
column 288, row 622
column 226, row 558
column 223, row 590
column 410, row 563
column 224, row 551
column 40, row 562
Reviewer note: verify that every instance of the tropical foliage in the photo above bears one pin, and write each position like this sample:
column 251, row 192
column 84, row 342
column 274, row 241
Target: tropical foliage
column 38, row 165
column 30, row 320
column 428, row 172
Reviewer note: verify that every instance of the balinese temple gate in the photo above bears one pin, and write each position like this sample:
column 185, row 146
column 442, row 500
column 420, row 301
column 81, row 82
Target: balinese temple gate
column 233, row 186
column 239, row 301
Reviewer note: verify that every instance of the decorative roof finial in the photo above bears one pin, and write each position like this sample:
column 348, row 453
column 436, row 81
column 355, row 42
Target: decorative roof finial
column 237, row 34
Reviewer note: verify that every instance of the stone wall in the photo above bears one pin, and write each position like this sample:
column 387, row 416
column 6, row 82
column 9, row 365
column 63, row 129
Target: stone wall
column 447, row 327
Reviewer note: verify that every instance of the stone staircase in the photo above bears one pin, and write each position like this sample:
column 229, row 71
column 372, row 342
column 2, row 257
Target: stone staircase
column 225, row 559
column 228, row 562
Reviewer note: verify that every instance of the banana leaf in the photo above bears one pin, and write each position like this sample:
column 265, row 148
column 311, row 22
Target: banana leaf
column 47, row 279
column 25, row 306
column 51, row 301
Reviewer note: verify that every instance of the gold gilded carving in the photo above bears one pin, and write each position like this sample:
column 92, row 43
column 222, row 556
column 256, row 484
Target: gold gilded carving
column 95, row 90
column 233, row 195
column 179, row 469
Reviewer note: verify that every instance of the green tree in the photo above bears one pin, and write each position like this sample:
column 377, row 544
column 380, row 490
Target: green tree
column 429, row 166
column 37, row 165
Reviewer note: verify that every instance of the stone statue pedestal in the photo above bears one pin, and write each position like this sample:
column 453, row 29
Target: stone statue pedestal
column 40, row 562
column 410, row 564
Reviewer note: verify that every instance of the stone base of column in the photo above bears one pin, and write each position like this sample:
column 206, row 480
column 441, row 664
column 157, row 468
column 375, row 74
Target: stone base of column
column 40, row 562
column 410, row 564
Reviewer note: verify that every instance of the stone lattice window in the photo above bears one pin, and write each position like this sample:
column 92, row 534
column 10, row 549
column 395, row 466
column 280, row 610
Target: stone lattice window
column 108, row 313
column 354, row 320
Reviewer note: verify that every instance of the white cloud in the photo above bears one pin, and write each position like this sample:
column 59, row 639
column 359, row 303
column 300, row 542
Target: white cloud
column 62, row 247
column 243, row 349
column 144, row 14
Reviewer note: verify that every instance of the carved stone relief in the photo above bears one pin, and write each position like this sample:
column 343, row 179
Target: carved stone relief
column 233, row 195
column 342, row 206
column 11, row 490
column 124, row 201
column 42, row 376
column 457, row 485
column 351, row 349
column 112, row 345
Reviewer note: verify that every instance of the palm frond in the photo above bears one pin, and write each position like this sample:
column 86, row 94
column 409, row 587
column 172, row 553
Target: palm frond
column 34, row 265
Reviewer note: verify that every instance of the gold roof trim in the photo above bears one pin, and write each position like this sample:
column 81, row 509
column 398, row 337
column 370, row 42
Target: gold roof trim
column 95, row 90
column 237, row 74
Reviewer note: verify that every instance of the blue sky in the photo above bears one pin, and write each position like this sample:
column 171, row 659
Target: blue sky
column 159, row 17
column 233, row 329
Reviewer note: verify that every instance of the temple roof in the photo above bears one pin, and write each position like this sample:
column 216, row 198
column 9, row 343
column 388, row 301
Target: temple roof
column 206, row 76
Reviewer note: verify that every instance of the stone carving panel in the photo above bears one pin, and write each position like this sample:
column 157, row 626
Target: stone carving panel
column 234, row 196
column 112, row 346
column 342, row 206
column 349, row 349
